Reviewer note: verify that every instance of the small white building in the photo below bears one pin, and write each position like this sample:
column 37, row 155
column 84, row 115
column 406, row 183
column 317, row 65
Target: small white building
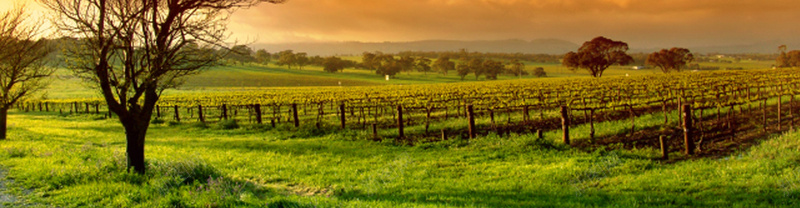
column 639, row 67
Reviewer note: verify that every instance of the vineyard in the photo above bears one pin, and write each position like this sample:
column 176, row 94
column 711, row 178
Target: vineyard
column 723, row 104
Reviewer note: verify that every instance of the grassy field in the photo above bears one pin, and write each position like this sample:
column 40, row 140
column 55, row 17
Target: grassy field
column 253, row 77
column 78, row 160
column 60, row 160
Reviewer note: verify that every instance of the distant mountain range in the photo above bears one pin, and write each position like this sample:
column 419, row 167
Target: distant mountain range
column 539, row 46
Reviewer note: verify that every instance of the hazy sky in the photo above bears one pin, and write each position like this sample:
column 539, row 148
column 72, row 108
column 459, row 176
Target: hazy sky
column 641, row 23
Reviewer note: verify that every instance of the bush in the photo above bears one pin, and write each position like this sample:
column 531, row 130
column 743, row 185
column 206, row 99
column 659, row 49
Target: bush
column 199, row 125
column 157, row 121
column 228, row 124
column 539, row 72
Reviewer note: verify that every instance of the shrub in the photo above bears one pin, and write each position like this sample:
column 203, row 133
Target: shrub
column 228, row 124
column 539, row 72
column 157, row 121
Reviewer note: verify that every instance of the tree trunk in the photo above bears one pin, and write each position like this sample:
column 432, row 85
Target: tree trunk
column 135, row 134
column 3, row 123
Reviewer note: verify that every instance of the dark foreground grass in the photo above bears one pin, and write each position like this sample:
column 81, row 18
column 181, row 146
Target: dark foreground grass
column 77, row 161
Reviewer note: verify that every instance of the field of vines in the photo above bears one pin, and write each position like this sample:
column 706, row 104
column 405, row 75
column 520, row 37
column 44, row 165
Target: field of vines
column 724, row 104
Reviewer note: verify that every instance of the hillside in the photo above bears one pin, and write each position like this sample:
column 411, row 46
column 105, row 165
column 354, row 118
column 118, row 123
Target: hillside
column 539, row 46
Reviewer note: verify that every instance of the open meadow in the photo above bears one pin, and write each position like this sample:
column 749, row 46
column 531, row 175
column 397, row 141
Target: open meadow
column 420, row 104
column 76, row 158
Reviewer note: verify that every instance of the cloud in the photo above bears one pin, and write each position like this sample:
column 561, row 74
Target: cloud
column 647, row 22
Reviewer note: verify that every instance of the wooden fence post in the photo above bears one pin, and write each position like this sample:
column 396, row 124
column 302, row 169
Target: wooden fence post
column 525, row 114
column 791, row 112
column 200, row 113
column 780, row 99
column 633, row 119
column 401, row 134
column 257, row 108
column 428, row 118
column 177, row 116
column 591, row 124
column 224, row 112
column 764, row 106
column 294, row 114
column 565, row 124
column 678, row 108
column 664, row 150
column 664, row 110
column 374, row 130
column 342, row 113
column 688, row 131
column 471, row 118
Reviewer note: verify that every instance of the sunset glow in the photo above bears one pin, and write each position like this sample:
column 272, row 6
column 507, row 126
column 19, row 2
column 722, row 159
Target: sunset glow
column 642, row 23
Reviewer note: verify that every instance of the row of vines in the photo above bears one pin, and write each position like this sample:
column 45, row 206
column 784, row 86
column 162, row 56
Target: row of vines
column 521, row 105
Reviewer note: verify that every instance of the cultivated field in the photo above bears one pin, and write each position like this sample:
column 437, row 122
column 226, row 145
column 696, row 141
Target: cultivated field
column 58, row 154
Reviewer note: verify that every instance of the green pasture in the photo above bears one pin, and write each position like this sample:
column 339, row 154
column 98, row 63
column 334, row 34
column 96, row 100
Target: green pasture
column 67, row 160
column 253, row 77
column 78, row 160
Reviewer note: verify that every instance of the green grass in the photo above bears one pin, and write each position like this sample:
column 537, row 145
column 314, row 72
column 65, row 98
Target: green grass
column 255, row 77
column 79, row 160
column 74, row 161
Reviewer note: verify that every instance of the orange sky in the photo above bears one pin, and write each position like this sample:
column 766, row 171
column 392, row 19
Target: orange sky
column 641, row 23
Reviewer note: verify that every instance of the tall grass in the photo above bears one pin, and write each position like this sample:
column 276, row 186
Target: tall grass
column 77, row 161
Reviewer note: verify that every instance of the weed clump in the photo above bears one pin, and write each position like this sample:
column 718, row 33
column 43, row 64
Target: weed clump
column 188, row 171
column 157, row 121
column 228, row 124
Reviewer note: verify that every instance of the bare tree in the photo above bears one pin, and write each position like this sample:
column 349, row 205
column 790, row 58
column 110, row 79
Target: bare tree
column 22, row 61
column 132, row 50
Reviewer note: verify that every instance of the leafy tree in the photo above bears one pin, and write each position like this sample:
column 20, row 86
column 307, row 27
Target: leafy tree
column 597, row 55
column 406, row 63
column 333, row 64
column 263, row 57
column 783, row 58
column 316, row 60
column 793, row 58
column 301, row 60
column 492, row 68
column 241, row 54
column 476, row 67
column 22, row 61
column 371, row 61
column 443, row 64
column 516, row 68
column 133, row 50
column 463, row 70
column 287, row 58
column 423, row 65
column 389, row 66
column 539, row 72
column 673, row 59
